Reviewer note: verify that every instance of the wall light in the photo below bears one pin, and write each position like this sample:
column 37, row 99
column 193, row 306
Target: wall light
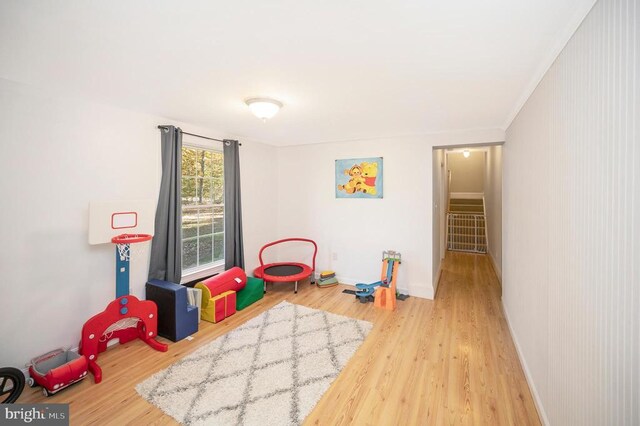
column 466, row 153
column 263, row 108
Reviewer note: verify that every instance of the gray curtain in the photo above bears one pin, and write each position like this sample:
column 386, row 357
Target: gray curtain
column 166, row 246
column 233, row 246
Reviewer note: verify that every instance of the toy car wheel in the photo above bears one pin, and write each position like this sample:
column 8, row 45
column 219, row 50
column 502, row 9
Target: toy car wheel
column 11, row 384
column 45, row 392
column 31, row 382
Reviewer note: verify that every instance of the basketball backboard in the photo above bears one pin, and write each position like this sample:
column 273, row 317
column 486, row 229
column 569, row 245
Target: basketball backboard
column 108, row 219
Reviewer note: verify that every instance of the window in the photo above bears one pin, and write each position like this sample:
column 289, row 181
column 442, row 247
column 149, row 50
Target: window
column 202, row 210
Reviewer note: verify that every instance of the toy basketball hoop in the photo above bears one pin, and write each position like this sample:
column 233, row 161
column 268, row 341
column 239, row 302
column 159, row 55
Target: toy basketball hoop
column 124, row 243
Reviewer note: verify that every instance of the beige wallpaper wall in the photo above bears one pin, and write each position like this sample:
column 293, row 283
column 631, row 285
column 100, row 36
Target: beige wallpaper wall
column 467, row 174
column 571, row 271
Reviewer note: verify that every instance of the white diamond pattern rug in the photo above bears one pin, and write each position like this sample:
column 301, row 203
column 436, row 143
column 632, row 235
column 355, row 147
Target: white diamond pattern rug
column 272, row 370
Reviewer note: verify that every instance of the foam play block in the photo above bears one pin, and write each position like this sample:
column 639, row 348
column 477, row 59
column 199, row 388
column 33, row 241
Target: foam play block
column 177, row 318
column 253, row 291
column 233, row 279
column 220, row 307
column 230, row 303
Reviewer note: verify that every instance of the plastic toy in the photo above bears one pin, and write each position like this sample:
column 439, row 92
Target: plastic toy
column 286, row 271
column 126, row 318
column 11, row 384
column 383, row 292
column 57, row 370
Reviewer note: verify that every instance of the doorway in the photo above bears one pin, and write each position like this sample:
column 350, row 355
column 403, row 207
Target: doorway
column 467, row 203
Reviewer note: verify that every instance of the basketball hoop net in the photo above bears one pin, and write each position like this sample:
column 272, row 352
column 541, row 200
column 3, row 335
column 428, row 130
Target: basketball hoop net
column 124, row 243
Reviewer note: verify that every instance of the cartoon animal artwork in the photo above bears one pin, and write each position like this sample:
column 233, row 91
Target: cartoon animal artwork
column 355, row 172
column 369, row 174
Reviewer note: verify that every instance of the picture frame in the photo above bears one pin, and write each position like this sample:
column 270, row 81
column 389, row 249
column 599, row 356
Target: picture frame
column 359, row 178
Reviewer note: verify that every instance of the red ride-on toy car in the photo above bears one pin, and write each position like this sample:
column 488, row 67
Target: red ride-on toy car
column 57, row 370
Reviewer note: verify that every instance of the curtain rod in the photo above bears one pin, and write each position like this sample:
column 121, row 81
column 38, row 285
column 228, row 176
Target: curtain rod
column 197, row 136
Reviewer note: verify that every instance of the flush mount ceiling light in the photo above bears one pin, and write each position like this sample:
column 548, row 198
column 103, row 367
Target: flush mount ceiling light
column 263, row 108
column 466, row 153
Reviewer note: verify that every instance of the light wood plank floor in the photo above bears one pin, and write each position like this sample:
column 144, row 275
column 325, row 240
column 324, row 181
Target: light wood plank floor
column 448, row 361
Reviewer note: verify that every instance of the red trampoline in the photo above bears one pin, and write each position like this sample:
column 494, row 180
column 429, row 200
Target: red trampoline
column 286, row 272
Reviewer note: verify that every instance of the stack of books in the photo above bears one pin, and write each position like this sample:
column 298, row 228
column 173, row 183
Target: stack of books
column 327, row 279
column 194, row 298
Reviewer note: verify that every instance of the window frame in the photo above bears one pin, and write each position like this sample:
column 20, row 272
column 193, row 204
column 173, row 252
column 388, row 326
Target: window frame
column 215, row 267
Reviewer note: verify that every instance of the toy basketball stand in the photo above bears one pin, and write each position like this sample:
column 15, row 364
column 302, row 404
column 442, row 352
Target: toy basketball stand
column 124, row 249
column 126, row 318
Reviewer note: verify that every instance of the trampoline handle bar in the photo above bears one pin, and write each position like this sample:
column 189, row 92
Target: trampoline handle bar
column 306, row 240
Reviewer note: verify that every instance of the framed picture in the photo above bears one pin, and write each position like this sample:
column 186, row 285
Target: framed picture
column 359, row 178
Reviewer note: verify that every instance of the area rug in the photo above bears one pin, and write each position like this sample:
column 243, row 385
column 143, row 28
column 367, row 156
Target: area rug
column 272, row 370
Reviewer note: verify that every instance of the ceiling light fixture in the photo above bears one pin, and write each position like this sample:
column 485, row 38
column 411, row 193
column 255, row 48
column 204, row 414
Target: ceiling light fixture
column 263, row 108
column 466, row 153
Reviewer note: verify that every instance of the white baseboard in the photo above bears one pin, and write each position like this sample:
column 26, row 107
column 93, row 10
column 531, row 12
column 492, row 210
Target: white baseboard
column 536, row 397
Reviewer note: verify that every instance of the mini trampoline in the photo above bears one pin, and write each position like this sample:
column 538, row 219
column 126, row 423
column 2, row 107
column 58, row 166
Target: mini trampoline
column 286, row 272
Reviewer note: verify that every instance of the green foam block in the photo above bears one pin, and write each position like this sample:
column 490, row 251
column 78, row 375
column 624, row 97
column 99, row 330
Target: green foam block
column 252, row 292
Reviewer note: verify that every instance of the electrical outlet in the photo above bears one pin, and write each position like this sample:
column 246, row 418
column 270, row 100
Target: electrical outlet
column 334, row 256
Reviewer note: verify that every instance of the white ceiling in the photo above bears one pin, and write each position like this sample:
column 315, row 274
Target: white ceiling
column 344, row 69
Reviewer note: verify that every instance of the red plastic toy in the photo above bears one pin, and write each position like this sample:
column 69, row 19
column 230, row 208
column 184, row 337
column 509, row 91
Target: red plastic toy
column 126, row 318
column 57, row 370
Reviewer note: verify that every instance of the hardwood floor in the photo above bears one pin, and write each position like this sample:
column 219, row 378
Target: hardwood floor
column 448, row 361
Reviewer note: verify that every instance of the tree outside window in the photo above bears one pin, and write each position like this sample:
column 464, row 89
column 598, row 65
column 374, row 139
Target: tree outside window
column 202, row 208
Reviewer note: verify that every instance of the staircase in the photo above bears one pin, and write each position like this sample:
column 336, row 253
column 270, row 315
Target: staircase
column 466, row 225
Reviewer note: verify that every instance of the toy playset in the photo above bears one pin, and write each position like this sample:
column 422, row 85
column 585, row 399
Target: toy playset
column 383, row 292
column 286, row 271
column 126, row 318
column 57, row 370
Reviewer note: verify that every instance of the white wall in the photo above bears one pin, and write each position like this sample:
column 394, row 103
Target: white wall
column 439, row 213
column 571, row 278
column 358, row 230
column 58, row 154
column 493, row 201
